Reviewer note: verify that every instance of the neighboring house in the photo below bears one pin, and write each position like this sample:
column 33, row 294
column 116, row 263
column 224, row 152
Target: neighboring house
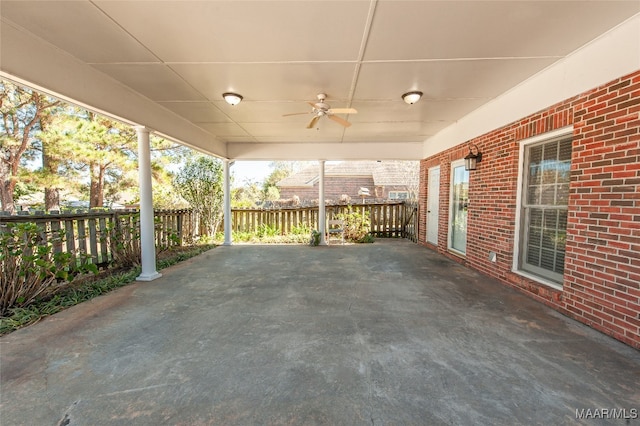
column 385, row 180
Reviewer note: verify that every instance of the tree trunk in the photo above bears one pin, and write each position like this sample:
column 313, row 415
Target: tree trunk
column 51, row 195
column 51, row 199
column 6, row 195
column 96, row 190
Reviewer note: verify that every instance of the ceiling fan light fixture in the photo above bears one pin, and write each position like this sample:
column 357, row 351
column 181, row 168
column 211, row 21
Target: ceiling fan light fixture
column 232, row 98
column 412, row 97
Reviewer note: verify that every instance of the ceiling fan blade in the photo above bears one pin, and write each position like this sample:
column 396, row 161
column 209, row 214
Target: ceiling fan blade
column 313, row 122
column 296, row 113
column 343, row 111
column 339, row 120
column 312, row 105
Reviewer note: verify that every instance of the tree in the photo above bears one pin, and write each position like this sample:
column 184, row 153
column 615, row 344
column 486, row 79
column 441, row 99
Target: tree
column 79, row 146
column 272, row 194
column 410, row 172
column 248, row 195
column 78, row 150
column 165, row 156
column 23, row 112
column 57, row 150
column 106, row 150
column 281, row 170
column 200, row 182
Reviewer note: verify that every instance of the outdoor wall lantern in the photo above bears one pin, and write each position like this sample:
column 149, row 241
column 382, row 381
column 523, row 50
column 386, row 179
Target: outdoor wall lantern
column 232, row 98
column 412, row 97
column 473, row 158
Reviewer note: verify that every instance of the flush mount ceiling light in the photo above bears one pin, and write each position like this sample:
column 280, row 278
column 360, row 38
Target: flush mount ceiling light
column 232, row 98
column 412, row 97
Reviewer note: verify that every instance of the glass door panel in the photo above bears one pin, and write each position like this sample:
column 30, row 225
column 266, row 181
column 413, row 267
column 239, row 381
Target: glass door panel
column 459, row 201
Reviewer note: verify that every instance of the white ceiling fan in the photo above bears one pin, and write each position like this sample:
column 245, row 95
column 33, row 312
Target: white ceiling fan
column 321, row 109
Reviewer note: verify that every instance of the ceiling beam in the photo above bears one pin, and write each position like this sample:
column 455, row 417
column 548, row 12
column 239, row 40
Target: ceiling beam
column 326, row 151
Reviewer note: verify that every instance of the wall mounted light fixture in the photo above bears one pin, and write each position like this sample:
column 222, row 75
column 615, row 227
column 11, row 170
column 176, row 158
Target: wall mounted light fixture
column 232, row 98
column 412, row 97
column 473, row 158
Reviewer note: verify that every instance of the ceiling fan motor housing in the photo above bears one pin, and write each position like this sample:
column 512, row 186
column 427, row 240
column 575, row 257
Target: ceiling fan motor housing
column 322, row 109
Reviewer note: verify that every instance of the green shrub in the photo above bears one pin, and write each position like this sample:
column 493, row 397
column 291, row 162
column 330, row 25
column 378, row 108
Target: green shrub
column 243, row 237
column 356, row 225
column 124, row 234
column 265, row 230
column 29, row 266
column 300, row 230
column 284, row 239
column 367, row 239
column 315, row 238
column 204, row 240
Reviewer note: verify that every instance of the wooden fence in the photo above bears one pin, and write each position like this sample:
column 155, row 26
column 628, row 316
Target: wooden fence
column 388, row 220
column 97, row 235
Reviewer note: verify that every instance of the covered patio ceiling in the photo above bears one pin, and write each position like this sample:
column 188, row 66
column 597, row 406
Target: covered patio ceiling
column 165, row 65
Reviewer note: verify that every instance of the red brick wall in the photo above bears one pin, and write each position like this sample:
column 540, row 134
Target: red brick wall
column 602, row 267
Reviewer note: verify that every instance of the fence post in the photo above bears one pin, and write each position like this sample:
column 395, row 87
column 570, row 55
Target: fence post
column 82, row 241
column 179, row 218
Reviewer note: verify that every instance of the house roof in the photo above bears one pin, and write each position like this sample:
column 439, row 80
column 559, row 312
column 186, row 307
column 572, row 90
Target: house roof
column 384, row 173
column 305, row 177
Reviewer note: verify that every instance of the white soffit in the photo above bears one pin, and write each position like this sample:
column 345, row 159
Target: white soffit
column 28, row 60
column 606, row 58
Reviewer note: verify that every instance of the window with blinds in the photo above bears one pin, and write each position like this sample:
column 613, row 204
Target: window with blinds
column 544, row 208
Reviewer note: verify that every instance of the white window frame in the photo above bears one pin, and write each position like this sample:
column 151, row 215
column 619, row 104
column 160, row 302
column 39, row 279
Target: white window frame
column 549, row 136
column 396, row 195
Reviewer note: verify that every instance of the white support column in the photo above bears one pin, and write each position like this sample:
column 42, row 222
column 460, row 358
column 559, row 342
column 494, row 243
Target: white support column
column 227, row 202
column 322, row 216
column 147, row 235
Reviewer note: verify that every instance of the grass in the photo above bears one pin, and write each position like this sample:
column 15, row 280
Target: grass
column 21, row 317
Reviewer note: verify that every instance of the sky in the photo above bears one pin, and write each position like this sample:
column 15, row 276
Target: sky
column 253, row 171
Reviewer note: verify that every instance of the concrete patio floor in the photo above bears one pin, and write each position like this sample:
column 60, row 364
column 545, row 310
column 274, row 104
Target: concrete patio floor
column 383, row 333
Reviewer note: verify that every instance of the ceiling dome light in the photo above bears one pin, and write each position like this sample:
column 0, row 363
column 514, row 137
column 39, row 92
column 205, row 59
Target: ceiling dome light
column 412, row 97
column 232, row 98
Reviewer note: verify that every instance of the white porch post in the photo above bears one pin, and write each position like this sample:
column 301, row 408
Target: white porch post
column 227, row 202
column 321, row 208
column 147, row 237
